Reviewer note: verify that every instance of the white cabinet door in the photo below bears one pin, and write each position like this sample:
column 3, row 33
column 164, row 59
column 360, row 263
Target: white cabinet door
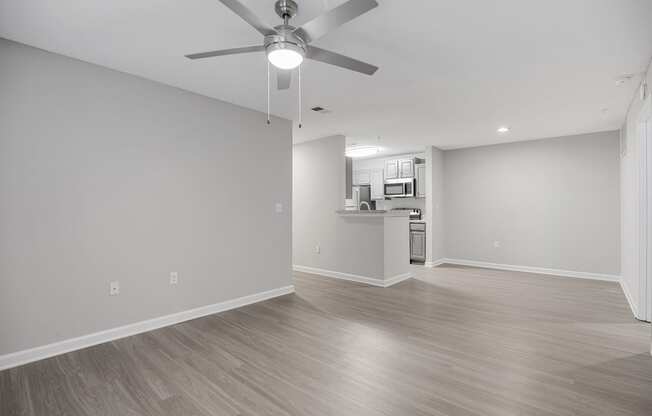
column 377, row 185
column 418, row 245
column 364, row 177
column 391, row 169
column 406, row 167
column 421, row 181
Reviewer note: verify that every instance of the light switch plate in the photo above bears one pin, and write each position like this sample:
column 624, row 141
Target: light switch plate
column 174, row 278
column 279, row 207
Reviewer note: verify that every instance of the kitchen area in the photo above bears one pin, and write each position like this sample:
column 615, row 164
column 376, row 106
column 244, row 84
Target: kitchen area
column 392, row 184
column 370, row 214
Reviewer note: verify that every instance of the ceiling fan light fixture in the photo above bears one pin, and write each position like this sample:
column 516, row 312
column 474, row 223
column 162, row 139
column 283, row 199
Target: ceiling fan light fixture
column 285, row 55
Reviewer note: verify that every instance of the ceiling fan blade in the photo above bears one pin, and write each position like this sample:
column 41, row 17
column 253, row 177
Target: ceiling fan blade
column 248, row 16
column 233, row 51
column 336, row 17
column 342, row 61
column 283, row 78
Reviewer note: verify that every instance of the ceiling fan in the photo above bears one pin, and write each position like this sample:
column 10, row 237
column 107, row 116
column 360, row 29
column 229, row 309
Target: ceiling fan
column 286, row 46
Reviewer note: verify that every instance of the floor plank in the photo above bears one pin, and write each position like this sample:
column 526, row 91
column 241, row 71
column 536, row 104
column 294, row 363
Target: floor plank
column 453, row 341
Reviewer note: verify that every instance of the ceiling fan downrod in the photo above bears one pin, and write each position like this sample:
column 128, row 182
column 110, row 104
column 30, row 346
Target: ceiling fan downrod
column 286, row 10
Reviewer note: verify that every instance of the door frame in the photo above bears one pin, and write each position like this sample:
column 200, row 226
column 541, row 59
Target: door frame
column 644, row 136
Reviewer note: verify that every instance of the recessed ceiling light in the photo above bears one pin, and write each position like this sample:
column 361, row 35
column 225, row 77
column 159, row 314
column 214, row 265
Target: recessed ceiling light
column 361, row 151
column 503, row 129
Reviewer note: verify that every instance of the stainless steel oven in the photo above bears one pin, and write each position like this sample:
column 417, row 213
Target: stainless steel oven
column 399, row 188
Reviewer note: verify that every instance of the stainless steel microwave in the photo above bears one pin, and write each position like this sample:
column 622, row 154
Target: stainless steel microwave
column 399, row 188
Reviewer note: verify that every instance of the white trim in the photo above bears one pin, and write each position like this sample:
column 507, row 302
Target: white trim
column 645, row 214
column 339, row 275
column 354, row 277
column 391, row 281
column 38, row 353
column 628, row 296
column 431, row 264
column 530, row 269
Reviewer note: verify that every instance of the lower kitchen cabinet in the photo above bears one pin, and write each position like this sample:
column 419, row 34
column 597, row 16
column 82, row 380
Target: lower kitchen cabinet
column 418, row 242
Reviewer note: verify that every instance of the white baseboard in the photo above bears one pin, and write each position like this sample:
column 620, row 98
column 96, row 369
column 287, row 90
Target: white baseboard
column 628, row 296
column 398, row 278
column 530, row 269
column 431, row 264
column 354, row 277
column 34, row 354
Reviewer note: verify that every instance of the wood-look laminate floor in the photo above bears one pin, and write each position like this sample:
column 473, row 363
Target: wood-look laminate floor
column 454, row 341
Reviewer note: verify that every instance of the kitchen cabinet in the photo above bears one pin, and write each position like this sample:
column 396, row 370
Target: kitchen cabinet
column 377, row 185
column 418, row 242
column 406, row 168
column 421, row 181
column 391, row 169
column 364, row 177
column 361, row 177
column 399, row 169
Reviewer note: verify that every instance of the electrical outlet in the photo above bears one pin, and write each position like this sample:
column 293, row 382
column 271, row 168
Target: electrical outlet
column 496, row 244
column 174, row 278
column 317, row 249
column 114, row 288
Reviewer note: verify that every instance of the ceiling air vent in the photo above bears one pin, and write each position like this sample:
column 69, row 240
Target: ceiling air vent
column 320, row 110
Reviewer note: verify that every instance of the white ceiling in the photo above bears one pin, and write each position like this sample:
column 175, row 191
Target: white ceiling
column 450, row 73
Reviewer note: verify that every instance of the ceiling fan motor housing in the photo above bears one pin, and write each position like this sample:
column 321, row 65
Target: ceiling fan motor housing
column 285, row 38
column 286, row 9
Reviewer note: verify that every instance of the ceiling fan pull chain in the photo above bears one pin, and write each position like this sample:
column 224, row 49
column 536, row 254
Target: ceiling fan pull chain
column 268, row 120
column 299, row 96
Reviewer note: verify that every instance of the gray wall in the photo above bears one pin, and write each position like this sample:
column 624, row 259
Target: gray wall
column 551, row 203
column 349, row 245
column 106, row 176
column 434, row 213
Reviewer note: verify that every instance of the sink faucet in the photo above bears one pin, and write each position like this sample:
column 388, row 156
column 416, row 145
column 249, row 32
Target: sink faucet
column 366, row 203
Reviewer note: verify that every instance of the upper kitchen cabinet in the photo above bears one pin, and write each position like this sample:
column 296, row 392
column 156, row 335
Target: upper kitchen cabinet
column 377, row 185
column 406, row 168
column 361, row 177
column 392, row 169
column 421, row 181
column 364, row 177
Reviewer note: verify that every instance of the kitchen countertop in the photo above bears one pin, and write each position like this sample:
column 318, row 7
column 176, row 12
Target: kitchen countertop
column 372, row 213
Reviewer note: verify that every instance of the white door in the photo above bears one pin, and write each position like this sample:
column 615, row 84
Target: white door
column 649, row 216
column 646, row 283
column 645, row 275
